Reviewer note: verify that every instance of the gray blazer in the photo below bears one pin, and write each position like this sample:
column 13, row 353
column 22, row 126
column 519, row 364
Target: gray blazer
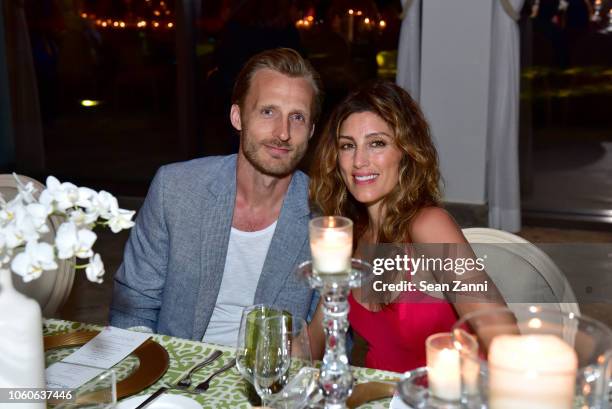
column 174, row 259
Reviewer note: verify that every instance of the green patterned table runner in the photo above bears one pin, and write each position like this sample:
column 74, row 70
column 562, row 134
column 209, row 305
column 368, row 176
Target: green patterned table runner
column 225, row 391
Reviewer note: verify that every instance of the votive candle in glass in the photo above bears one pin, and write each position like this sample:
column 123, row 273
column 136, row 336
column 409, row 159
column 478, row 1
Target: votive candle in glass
column 443, row 367
column 331, row 244
column 531, row 372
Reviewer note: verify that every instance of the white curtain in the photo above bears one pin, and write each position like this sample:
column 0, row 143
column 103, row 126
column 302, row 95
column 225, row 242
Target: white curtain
column 503, row 187
column 409, row 49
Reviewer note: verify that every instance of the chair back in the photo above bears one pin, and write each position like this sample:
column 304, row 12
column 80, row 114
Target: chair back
column 52, row 288
column 519, row 268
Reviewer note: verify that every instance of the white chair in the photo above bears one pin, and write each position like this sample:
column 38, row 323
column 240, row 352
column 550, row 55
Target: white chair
column 522, row 271
column 52, row 288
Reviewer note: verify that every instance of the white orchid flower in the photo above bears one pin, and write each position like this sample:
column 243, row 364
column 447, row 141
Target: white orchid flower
column 30, row 221
column 105, row 204
column 27, row 191
column 25, row 225
column 61, row 196
column 6, row 216
column 8, row 210
column 83, row 219
column 38, row 215
column 84, row 197
column 13, row 237
column 95, row 269
column 121, row 221
column 36, row 258
column 72, row 242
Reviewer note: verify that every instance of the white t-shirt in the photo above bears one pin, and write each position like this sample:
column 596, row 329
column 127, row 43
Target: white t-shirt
column 246, row 254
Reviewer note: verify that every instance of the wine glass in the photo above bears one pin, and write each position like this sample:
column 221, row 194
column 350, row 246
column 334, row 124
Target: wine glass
column 98, row 393
column 246, row 344
column 283, row 373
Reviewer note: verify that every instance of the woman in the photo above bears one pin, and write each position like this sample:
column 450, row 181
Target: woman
column 377, row 165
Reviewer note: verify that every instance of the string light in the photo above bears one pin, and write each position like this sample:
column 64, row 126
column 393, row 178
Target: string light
column 382, row 24
column 350, row 11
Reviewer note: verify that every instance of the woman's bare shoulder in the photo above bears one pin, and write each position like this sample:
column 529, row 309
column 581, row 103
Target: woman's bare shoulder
column 435, row 225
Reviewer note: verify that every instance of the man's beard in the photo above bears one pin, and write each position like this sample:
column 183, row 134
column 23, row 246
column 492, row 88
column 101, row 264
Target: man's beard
column 271, row 167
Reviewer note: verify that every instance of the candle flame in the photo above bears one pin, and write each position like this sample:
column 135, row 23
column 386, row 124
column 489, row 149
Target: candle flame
column 331, row 222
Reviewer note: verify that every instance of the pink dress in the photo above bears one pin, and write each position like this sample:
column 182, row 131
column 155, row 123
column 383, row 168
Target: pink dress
column 396, row 334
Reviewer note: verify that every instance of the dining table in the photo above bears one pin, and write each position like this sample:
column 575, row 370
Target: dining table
column 226, row 391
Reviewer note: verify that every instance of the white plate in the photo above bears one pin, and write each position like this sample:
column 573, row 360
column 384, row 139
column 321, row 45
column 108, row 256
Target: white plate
column 397, row 403
column 166, row 401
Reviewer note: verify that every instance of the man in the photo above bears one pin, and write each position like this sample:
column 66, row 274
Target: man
column 218, row 234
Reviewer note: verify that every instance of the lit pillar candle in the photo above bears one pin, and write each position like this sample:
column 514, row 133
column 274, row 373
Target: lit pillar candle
column 531, row 372
column 443, row 367
column 331, row 253
column 331, row 244
column 444, row 375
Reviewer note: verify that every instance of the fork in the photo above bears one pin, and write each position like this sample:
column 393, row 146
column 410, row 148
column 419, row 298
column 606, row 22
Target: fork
column 203, row 387
column 186, row 381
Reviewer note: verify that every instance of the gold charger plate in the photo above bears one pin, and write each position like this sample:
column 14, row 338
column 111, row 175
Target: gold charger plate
column 369, row 391
column 153, row 361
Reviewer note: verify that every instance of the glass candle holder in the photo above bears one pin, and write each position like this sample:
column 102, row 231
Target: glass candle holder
column 333, row 273
column 531, row 357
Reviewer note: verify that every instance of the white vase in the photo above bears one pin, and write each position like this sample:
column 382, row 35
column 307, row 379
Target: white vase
column 22, row 356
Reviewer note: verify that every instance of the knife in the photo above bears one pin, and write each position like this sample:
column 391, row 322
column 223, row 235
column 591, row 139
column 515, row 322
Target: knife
column 151, row 398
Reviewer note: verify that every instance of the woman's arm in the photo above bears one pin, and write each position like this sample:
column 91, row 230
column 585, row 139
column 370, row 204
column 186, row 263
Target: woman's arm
column 435, row 225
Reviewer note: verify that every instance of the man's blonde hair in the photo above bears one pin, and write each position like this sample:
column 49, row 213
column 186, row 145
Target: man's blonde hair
column 285, row 61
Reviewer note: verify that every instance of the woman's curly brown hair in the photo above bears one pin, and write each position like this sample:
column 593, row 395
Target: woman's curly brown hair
column 419, row 176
